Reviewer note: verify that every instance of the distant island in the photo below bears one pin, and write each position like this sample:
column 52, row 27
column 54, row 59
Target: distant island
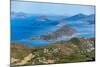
column 64, row 30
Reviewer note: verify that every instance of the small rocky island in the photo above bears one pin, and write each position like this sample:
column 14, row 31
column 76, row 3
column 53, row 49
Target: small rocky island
column 64, row 30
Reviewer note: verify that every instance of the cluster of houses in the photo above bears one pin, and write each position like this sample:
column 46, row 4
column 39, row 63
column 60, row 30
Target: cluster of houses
column 52, row 50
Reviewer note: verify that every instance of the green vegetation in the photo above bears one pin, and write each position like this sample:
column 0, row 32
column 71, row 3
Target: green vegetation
column 74, row 50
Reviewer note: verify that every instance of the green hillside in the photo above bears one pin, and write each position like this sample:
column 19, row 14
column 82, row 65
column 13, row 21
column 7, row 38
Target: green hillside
column 74, row 50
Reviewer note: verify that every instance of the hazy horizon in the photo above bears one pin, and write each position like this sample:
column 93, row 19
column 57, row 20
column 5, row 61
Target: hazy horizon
column 50, row 8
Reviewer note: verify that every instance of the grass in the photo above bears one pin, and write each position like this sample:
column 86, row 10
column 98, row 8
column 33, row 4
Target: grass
column 62, row 56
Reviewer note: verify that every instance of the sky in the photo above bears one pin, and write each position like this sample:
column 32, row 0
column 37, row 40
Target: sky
column 51, row 8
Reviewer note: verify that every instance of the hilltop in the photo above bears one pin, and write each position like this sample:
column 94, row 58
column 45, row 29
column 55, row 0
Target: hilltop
column 74, row 50
column 19, row 50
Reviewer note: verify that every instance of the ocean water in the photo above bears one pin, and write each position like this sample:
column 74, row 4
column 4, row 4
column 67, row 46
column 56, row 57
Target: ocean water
column 22, row 29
